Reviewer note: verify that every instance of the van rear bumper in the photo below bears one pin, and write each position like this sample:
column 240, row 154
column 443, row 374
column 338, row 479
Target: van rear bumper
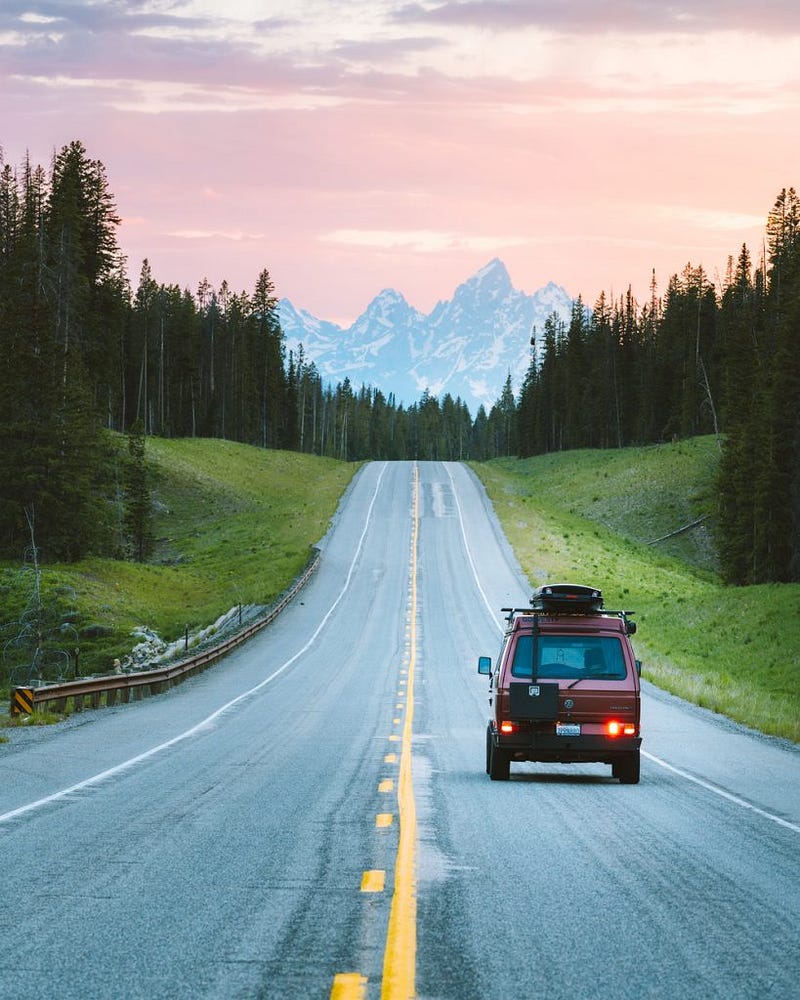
column 567, row 749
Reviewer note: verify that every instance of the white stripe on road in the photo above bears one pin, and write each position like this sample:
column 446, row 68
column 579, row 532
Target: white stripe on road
column 722, row 793
column 207, row 722
column 656, row 760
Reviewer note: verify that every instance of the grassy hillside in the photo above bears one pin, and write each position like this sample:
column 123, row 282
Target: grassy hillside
column 233, row 524
column 588, row 516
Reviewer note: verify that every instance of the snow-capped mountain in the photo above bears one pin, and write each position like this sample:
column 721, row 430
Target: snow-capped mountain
column 466, row 346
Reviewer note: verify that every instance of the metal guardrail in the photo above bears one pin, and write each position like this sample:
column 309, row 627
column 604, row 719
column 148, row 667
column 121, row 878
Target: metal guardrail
column 120, row 688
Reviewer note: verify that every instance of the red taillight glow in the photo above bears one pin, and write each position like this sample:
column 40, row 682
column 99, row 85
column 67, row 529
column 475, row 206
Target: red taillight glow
column 507, row 727
column 615, row 728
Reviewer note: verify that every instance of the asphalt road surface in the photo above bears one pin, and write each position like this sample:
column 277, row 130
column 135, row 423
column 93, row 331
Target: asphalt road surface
column 311, row 817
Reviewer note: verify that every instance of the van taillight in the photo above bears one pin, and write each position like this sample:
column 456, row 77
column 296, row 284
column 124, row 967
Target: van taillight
column 615, row 728
column 507, row 727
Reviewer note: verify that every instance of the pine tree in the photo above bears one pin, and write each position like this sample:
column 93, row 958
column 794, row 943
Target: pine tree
column 138, row 503
column 49, row 429
column 503, row 422
column 273, row 380
column 780, row 488
column 527, row 425
column 740, row 330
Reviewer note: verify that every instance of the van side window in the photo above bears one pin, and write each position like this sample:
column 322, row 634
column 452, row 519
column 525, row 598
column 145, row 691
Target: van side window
column 562, row 656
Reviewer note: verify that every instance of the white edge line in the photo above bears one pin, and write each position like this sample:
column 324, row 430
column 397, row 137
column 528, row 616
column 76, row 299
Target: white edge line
column 207, row 722
column 492, row 612
column 722, row 793
column 656, row 760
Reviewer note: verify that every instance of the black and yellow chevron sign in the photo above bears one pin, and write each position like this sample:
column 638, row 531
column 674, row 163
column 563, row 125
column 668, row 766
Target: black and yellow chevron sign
column 22, row 701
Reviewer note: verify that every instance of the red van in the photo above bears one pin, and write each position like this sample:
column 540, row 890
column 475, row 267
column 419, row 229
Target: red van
column 565, row 687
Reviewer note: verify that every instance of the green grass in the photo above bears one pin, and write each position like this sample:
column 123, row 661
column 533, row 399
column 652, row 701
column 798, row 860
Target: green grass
column 586, row 517
column 40, row 717
column 233, row 524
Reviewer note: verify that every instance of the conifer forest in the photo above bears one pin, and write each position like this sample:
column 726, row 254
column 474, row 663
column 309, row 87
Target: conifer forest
column 85, row 353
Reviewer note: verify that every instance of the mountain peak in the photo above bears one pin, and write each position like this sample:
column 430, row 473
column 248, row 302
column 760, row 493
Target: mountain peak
column 466, row 346
column 490, row 284
column 495, row 270
column 389, row 295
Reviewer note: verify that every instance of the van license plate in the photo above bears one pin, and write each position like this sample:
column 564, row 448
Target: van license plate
column 568, row 729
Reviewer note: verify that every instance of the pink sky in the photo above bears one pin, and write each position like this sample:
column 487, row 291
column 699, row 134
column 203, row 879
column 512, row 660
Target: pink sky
column 352, row 146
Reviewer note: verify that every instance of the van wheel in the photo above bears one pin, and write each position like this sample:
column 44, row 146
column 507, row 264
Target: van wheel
column 499, row 763
column 627, row 769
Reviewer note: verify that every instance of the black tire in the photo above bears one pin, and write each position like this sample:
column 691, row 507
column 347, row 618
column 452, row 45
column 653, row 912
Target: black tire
column 627, row 769
column 499, row 763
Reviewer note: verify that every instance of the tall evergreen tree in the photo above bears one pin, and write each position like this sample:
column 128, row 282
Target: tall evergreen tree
column 138, row 502
column 273, row 385
column 780, row 494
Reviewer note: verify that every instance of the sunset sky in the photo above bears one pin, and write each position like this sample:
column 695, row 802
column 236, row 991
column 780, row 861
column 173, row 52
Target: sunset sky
column 352, row 145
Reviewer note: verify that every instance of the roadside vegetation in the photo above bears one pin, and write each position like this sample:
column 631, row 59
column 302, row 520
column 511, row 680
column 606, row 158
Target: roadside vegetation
column 232, row 524
column 593, row 516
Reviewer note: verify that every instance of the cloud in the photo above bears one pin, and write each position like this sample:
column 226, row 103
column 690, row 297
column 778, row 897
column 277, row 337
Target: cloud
column 187, row 57
column 715, row 220
column 374, row 137
column 160, row 96
column 236, row 235
column 626, row 16
column 129, row 39
column 419, row 240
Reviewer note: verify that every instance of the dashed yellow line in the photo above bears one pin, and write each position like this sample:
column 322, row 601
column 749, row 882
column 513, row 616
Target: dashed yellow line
column 349, row 986
column 400, row 954
column 373, row 880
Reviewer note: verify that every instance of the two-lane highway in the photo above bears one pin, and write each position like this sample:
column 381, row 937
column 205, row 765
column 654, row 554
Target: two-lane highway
column 241, row 836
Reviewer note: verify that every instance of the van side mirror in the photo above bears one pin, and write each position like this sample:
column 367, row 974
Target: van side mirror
column 639, row 667
column 485, row 665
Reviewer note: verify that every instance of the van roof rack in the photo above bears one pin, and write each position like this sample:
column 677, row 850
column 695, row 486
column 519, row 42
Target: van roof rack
column 569, row 599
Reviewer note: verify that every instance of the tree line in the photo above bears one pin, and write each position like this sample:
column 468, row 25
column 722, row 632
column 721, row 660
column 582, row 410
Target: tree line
column 86, row 353
column 697, row 360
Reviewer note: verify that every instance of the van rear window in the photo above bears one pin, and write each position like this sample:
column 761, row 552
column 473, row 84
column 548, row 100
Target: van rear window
column 563, row 656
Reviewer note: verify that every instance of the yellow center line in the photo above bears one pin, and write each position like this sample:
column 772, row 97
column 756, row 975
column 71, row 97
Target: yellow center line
column 400, row 954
